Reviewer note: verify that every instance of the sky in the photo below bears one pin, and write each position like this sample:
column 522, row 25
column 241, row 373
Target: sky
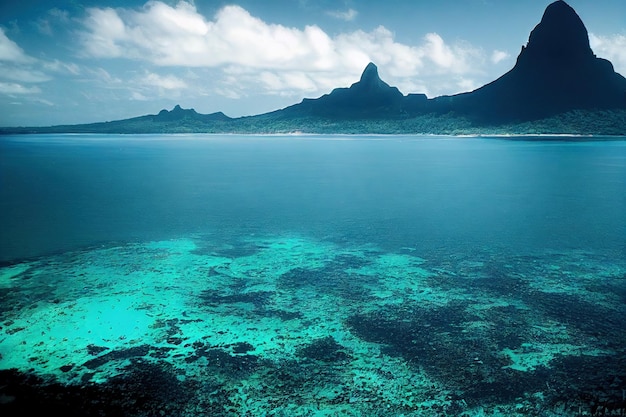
column 70, row 61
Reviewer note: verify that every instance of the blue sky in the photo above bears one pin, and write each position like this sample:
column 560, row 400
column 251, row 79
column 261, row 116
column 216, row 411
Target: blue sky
column 70, row 61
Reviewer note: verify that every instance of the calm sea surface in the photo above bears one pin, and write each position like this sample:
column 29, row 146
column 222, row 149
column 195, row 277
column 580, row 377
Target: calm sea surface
column 60, row 192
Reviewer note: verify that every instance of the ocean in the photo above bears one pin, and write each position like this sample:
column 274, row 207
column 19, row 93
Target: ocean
column 305, row 275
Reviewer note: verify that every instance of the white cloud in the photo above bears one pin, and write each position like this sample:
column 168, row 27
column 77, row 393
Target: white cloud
column 498, row 56
column 21, row 74
column 17, row 69
column 137, row 96
column 457, row 59
column 466, row 84
column 104, row 77
column 16, row 65
column 54, row 16
column 612, row 47
column 438, row 51
column 10, row 51
column 279, row 59
column 347, row 15
column 59, row 15
column 44, row 101
column 283, row 82
column 165, row 82
column 106, row 30
column 142, row 86
column 15, row 88
column 62, row 67
column 229, row 93
column 43, row 26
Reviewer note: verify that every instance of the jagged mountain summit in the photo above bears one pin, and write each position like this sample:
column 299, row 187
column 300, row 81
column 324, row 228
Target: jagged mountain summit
column 178, row 113
column 369, row 97
column 555, row 72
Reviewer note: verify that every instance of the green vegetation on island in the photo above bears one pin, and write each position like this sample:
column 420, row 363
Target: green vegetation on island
column 575, row 122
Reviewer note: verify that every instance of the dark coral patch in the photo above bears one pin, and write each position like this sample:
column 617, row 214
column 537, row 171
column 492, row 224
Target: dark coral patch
column 468, row 362
column 235, row 365
column 325, row 349
column 215, row 298
column 94, row 350
column 329, row 280
column 242, row 347
column 144, row 389
column 437, row 340
column 130, row 353
column 589, row 318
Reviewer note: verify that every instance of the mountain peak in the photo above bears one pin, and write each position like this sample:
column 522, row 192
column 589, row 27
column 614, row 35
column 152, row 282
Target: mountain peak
column 370, row 83
column 560, row 36
column 370, row 74
column 556, row 72
column 178, row 113
column 368, row 97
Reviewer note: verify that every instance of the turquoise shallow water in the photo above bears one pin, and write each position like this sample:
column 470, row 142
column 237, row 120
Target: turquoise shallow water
column 312, row 275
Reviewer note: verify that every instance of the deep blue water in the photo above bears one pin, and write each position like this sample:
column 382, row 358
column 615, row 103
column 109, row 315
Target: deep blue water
column 60, row 192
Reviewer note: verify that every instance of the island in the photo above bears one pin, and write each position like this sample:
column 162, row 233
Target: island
column 557, row 86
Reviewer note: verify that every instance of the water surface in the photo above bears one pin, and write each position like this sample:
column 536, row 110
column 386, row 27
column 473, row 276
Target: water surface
column 313, row 275
column 68, row 191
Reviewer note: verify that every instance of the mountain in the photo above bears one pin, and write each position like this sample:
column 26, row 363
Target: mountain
column 556, row 86
column 367, row 98
column 178, row 113
column 555, row 72
column 177, row 120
